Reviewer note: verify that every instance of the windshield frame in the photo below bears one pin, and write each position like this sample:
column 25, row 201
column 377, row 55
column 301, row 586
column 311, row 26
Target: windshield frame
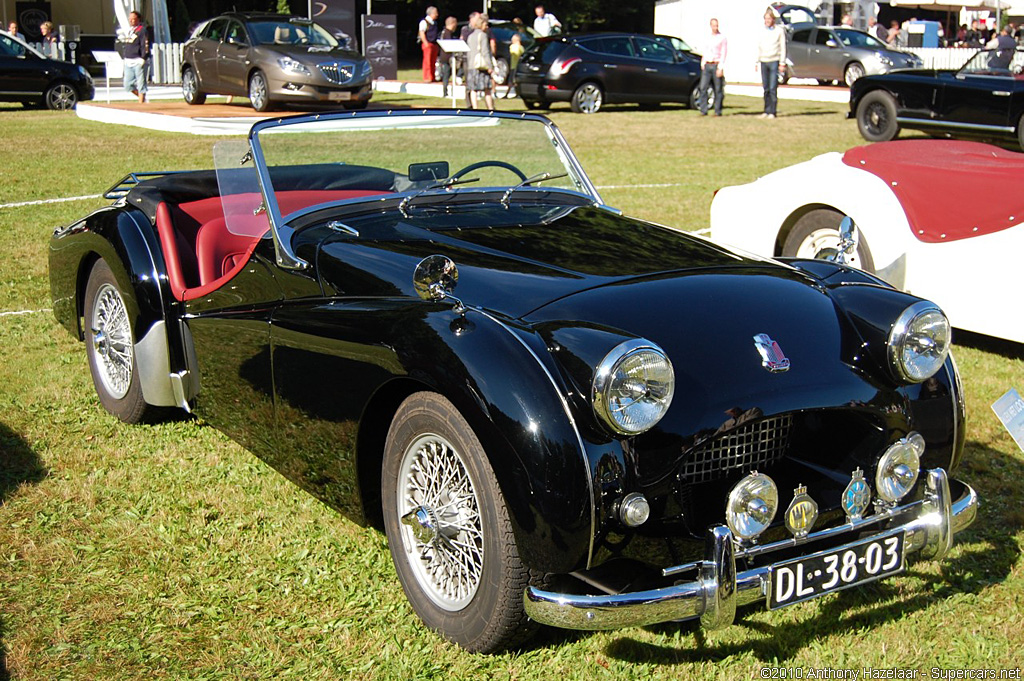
column 283, row 230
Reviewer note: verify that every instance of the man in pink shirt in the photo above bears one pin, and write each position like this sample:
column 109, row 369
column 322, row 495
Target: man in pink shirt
column 711, row 69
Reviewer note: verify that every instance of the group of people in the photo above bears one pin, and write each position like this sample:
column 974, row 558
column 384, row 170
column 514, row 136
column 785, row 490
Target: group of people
column 771, row 60
column 477, row 66
column 50, row 38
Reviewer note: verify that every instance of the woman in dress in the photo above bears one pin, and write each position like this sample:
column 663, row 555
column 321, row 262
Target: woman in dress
column 480, row 61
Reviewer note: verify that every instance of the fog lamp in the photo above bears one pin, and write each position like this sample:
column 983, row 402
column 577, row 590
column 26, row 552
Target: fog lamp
column 752, row 505
column 899, row 467
column 634, row 510
column 801, row 514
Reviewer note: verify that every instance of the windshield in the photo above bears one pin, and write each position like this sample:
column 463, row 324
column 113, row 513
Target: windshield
column 314, row 160
column 1007, row 63
column 852, row 38
column 290, row 32
column 12, row 47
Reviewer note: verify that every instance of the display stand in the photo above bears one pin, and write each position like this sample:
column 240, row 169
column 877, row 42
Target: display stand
column 113, row 65
column 453, row 47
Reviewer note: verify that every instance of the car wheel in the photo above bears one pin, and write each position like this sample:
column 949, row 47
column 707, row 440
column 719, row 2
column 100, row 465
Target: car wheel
column 816, row 235
column 500, row 72
column 876, row 117
column 111, row 348
column 449, row 530
column 587, row 98
column 852, row 73
column 1020, row 132
column 694, row 102
column 60, row 97
column 259, row 93
column 190, row 87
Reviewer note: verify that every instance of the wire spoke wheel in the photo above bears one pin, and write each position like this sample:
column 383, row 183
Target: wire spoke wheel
column 442, row 530
column 111, row 342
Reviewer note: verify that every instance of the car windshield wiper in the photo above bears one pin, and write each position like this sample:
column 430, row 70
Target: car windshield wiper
column 443, row 184
column 539, row 177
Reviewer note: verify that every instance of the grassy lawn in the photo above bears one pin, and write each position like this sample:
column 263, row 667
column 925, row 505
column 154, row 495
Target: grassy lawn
column 169, row 552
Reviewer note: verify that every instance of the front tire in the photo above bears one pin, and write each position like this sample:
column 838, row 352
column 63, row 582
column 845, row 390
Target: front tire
column 259, row 91
column 448, row 528
column 876, row 117
column 816, row 234
column 110, row 347
column 60, row 97
column 190, row 87
column 852, row 73
column 587, row 98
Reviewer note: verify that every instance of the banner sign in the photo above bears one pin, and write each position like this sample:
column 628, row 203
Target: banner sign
column 380, row 42
column 339, row 18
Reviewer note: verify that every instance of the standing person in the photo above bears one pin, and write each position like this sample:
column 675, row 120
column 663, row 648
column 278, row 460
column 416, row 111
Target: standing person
column 12, row 28
column 136, row 49
column 515, row 53
column 771, row 55
column 711, row 69
column 428, row 33
column 443, row 58
column 480, row 64
column 877, row 30
column 847, row 21
column 50, row 39
column 545, row 23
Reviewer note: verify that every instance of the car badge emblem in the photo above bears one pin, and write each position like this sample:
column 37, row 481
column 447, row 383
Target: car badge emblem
column 856, row 496
column 772, row 357
column 802, row 513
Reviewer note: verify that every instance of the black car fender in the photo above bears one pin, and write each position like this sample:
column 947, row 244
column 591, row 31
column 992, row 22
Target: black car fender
column 126, row 240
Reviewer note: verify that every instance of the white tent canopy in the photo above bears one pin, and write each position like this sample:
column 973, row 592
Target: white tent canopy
column 952, row 6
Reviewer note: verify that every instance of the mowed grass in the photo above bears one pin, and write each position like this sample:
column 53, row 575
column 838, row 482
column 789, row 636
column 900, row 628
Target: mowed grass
column 169, row 552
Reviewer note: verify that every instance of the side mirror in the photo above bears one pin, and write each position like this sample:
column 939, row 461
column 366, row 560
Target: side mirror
column 849, row 238
column 435, row 278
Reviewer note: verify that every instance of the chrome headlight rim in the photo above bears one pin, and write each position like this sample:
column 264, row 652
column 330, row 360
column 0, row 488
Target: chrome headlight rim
column 898, row 336
column 738, row 515
column 904, row 452
column 603, row 378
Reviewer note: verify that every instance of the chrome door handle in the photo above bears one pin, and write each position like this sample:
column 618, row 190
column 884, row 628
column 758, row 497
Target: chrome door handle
column 650, row 70
column 611, row 66
column 1001, row 93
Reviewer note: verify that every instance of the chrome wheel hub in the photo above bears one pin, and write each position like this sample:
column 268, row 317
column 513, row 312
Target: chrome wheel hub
column 112, row 341
column 821, row 243
column 441, row 528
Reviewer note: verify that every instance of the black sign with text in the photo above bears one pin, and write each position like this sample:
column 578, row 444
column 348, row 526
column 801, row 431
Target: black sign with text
column 339, row 18
column 380, row 45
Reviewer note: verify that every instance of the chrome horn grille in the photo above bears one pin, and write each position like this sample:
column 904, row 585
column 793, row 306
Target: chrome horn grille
column 748, row 447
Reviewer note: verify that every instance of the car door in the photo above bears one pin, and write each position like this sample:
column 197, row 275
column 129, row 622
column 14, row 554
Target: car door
column 798, row 52
column 205, row 54
column 616, row 58
column 978, row 97
column 827, row 55
column 21, row 72
column 233, row 58
column 663, row 78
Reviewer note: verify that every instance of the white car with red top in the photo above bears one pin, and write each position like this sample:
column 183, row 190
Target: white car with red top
column 937, row 218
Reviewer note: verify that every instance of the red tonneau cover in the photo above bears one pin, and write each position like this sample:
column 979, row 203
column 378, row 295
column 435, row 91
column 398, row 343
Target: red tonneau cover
column 949, row 189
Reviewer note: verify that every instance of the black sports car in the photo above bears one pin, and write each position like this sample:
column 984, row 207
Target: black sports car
column 590, row 70
column 29, row 77
column 272, row 59
column 557, row 414
column 984, row 98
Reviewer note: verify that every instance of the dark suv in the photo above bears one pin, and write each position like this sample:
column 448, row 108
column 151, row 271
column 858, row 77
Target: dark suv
column 272, row 58
column 29, row 77
column 589, row 70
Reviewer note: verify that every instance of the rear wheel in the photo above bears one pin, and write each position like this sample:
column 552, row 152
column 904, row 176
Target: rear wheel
column 587, row 98
column 852, row 73
column 816, row 235
column 259, row 92
column 500, row 73
column 190, row 87
column 449, row 530
column 694, row 102
column 1020, row 132
column 60, row 97
column 110, row 347
column 876, row 117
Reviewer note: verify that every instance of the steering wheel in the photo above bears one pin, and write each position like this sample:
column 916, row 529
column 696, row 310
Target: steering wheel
column 485, row 164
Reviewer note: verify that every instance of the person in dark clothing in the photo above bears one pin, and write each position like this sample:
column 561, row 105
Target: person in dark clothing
column 443, row 58
column 136, row 51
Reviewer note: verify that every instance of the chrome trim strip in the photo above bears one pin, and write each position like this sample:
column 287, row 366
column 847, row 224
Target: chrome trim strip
column 925, row 533
column 572, row 422
column 953, row 124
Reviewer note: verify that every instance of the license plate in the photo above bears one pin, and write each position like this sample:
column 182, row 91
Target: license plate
column 342, row 96
column 805, row 578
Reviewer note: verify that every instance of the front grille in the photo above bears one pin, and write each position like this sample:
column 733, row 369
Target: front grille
column 338, row 73
column 746, row 447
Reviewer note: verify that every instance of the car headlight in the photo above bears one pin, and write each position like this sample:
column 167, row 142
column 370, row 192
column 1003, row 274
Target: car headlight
column 884, row 59
column 289, row 65
column 85, row 74
column 919, row 342
column 752, row 505
column 899, row 467
column 633, row 386
column 365, row 69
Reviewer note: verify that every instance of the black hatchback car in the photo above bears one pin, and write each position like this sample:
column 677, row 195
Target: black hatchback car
column 589, row 70
column 29, row 77
column 272, row 58
column 984, row 98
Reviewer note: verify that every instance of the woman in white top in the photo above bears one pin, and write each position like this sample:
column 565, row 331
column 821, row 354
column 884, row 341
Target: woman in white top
column 771, row 54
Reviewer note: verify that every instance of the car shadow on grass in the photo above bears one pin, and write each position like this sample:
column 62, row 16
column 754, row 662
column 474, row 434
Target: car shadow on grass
column 998, row 346
column 19, row 465
column 985, row 557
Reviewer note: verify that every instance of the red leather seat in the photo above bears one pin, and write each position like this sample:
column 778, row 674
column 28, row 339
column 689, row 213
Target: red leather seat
column 221, row 253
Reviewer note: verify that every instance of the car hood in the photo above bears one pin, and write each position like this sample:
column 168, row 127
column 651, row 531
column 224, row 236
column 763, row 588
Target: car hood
column 311, row 54
column 513, row 261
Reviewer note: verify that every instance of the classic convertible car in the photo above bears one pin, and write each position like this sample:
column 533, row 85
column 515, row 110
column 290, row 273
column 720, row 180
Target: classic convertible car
column 984, row 98
column 557, row 414
column 937, row 218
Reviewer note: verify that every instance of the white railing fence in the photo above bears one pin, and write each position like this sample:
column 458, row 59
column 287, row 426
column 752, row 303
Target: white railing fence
column 943, row 57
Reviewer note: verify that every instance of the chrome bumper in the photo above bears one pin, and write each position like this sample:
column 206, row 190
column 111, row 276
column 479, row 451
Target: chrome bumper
column 718, row 589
